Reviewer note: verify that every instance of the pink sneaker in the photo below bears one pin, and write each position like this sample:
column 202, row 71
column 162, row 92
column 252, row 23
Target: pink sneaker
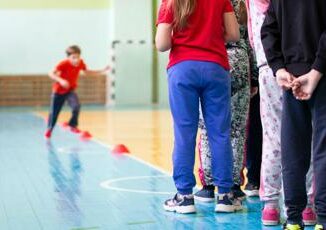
column 270, row 216
column 309, row 217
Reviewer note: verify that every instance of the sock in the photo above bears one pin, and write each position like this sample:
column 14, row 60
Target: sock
column 209, row 187
column 186, row 196
column 271, row 204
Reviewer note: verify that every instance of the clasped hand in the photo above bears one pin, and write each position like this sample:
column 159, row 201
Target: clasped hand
column 302, row 87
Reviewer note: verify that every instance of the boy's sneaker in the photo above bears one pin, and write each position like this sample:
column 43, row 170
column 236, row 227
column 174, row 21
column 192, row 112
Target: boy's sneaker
column 183, row 204
column 227, row 203
column 319, row 227
column 309, row 217
column 251, row 190
column 270, row 216
column 206, row 194
column 287, row 226
column 75, row 130
column 48, row 134
column 238, row 193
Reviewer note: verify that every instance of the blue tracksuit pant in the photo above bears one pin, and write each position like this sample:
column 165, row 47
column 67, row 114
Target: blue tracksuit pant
column 303, row 130
column 190, row 82
column 57, row 102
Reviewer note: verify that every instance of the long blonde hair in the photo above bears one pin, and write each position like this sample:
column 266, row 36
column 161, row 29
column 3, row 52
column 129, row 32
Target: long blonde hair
column 182, row 9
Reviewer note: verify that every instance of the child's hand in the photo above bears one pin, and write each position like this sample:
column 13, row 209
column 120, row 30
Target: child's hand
column 284, row 79
column 305, row 85
column 64, row 83
column 107, row 69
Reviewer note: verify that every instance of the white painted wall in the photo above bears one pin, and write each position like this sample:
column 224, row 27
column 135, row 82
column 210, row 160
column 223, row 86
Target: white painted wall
column 132, row 20
column 33, row 41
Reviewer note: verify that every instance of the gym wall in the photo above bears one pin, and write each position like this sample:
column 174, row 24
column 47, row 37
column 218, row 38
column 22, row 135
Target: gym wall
column 133, row 52
column 36, row 32
column 140, row 77
column 34, row 35
column 163, row 97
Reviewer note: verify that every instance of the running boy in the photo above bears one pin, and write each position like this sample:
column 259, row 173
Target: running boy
column 66, row 75
column 294, row 40
column 196, row 32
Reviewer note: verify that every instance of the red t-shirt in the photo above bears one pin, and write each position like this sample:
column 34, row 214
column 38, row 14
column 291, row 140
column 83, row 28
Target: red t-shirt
column 203, row 38
column 70, row 73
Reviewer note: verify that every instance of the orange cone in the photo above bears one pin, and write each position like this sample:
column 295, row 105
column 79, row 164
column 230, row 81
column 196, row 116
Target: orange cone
column 120, row 149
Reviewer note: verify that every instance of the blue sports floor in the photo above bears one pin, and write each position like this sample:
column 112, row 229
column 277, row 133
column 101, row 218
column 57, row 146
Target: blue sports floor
column 68, row 184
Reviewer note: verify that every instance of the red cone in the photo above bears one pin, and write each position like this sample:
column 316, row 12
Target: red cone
column 65, row 124
column 85, row 135
column 120, row 149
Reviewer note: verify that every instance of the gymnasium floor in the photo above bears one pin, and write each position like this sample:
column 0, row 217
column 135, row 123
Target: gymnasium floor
column 71, row 184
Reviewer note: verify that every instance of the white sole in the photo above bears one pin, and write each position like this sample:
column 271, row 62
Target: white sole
column 204, row 200
column 227, row 208
column 252, row 193
column 181, row 209
column 270, row 223
column 310, row 223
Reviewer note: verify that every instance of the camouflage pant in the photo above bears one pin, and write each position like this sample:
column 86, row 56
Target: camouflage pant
column 239, row 62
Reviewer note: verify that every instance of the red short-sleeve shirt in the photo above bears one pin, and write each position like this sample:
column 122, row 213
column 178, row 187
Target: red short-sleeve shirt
column 203, row 38
column 70, row 73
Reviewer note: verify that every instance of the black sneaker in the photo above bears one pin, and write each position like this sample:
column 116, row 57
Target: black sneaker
column 227, row 203
column 206, row 194
column 181, row 204
column 288, row 226
column 251, row 190
column 237, row 192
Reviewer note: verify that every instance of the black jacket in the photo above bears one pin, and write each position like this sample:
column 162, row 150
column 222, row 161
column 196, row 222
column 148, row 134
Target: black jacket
column 294, row 35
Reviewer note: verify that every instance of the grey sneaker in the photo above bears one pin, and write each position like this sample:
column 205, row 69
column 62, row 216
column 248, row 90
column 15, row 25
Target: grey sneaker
column 183, row 204
column 227, row 203
column 251, row 190
column 238, row 193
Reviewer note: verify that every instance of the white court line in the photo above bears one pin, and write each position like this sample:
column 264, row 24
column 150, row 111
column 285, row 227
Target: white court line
column 108, row 185
column 110, row 147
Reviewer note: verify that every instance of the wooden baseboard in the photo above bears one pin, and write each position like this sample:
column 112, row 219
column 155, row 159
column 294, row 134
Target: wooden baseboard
column 35, row 90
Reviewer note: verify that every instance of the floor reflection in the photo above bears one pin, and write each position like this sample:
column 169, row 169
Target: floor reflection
column 65, row 170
